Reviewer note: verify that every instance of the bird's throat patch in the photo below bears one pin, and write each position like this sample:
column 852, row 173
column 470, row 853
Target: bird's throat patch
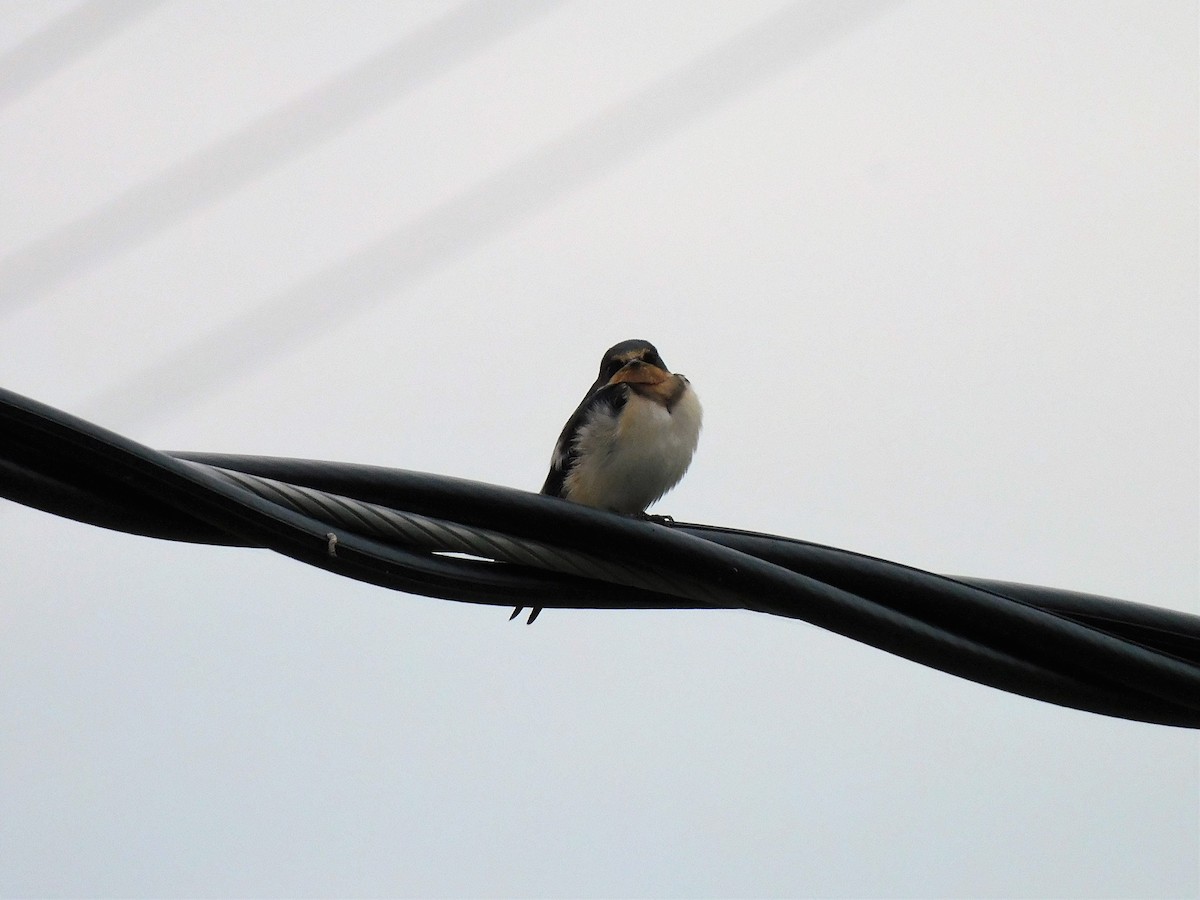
column 641, row 375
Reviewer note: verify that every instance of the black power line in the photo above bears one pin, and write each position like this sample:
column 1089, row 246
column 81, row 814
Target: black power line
column 395, row 529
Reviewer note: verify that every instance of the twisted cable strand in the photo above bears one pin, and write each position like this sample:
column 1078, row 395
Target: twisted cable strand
column 1091, row 653
column 434, row 535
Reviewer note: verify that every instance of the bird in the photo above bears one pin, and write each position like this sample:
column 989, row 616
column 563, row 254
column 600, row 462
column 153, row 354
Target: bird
column 630, row 440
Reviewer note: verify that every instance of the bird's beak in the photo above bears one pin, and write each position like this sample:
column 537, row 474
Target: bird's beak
column 638, row 372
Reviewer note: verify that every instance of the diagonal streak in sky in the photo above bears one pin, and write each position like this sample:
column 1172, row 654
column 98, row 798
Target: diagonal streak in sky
column 493, row 205
column 63, row 41
column 220, row 169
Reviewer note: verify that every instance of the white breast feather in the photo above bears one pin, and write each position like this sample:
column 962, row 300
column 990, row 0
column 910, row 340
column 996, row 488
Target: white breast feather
column 626, row 463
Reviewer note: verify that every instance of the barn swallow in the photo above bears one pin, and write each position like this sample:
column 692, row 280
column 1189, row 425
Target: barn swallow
column 631, row 438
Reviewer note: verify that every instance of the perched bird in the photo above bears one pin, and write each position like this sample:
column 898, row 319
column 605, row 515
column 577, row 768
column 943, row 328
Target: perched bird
column 630, row 440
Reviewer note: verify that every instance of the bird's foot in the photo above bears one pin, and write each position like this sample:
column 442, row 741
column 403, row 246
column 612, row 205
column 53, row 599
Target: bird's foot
column 658, row 520
column 533, row 614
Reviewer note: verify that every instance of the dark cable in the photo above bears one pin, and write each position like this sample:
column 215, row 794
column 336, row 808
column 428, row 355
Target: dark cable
column 393, row 528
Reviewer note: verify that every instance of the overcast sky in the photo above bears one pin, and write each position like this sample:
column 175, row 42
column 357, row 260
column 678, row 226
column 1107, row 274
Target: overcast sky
column 931, row 267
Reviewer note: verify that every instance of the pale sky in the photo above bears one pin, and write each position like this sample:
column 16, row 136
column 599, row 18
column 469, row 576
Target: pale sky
column 932, row 268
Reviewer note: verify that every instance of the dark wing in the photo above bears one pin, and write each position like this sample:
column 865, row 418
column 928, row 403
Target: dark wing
column 566, row 452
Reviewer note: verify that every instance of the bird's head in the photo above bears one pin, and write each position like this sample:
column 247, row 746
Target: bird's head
column 633, row 362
